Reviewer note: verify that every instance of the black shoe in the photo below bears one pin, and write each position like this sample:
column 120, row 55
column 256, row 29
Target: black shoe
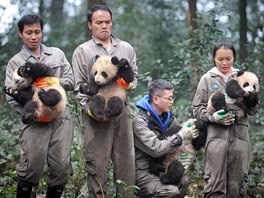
column 23, row 191
column 54, row 192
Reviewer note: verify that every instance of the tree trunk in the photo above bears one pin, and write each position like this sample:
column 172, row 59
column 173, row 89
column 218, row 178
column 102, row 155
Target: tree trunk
column 242, row 31
column 41, row 9
column 56, row 14
column 193, row 61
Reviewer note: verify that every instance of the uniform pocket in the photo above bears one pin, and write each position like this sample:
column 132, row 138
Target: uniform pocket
column 56, row 64
column 22, row 166
column 207, row 182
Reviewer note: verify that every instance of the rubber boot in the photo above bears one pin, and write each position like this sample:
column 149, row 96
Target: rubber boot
column 23, row 191
column 54, row 192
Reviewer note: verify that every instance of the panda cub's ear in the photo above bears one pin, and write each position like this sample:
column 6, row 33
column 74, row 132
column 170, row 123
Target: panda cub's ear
column 95, row 58
column 239, row 73
column 115, row 60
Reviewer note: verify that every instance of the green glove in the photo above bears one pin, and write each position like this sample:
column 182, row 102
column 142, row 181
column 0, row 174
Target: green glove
column 186, row 160
column 221, row 117
column 188, row 131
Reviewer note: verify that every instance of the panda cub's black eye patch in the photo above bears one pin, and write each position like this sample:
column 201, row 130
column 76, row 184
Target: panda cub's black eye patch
column 246, row 85
column 95, row 73
column 254, row 87
column 104, row 74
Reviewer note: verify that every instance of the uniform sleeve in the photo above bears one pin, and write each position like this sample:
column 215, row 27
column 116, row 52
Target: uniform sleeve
column 80, row 71
column 134, row 67
column 11, row 66
column 66, row 79
column 200, row 100
column 147, row 141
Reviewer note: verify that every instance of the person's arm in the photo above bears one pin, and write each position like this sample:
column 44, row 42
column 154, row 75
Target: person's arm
column 133, row 64
column 200, row 100
column 80, row 75
column 11, row 66
column 199, row 105
column 147, row 141
column 66, row 79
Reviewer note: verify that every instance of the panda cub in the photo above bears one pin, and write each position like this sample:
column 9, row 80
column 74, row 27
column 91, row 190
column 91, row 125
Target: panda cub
column 38, row 92
column 169, row 167
column 111, row 78
column 241, row 96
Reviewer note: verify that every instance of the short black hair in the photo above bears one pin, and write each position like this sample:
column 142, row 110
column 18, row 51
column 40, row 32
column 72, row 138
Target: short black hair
column 225, row 44
column 95, row 8
column 157, row 87
column 29, row 20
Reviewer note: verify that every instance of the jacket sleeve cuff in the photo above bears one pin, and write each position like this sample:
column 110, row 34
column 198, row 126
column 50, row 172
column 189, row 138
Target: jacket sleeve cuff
column 177, row 141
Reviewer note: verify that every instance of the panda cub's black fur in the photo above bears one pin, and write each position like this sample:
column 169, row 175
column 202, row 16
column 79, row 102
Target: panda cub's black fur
column 38, row 102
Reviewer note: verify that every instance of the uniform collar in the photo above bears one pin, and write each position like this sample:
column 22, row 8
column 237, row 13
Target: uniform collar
column 114, row 39
column 26, row 52
column 29, row 52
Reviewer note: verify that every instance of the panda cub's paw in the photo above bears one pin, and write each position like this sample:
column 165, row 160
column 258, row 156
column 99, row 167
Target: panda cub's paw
column 50, row 97
column 114, row 107
column 10, row 91
column 89, row 89
column 24, row 71
column 123, row 63
column 28, row 118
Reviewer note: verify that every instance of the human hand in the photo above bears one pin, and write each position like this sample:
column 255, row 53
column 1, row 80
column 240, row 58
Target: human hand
column 189, row 131
column 186, row 160
column 220, row 117
column 123, row 84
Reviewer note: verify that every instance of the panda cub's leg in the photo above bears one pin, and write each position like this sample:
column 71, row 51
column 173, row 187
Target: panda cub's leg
column 29, row 112
column 114, row 107
column 50, row 97
column 35, row 70
column 22, row 97
column 174, row 173
column 97, row 106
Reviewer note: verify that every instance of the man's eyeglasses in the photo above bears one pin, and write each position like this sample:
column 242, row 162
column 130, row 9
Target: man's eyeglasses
column 171, row 99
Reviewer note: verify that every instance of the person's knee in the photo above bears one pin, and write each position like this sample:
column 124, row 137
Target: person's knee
column 185, row 181
column 60, row 173
column 27, row 173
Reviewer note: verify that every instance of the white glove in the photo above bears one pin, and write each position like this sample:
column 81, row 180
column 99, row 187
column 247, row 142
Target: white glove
column 220, row 117
column 188, row 132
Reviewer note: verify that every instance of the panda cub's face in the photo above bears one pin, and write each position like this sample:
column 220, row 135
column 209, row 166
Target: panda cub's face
column 248, row 81
column 20, row 82
column 104, row 70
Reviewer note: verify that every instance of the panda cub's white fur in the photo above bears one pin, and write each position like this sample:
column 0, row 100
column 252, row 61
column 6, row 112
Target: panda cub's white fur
column 20, row 82
column 105, row 72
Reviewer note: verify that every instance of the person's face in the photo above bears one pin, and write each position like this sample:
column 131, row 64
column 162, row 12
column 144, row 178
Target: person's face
column 224, row 60
column 101, row 25
column 31, row 36
column 164, row 101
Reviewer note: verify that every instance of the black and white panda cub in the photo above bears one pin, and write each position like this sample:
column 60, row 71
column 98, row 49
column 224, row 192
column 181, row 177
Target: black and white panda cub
column 38, row 92
column 169, row 167
column 111, row 78
column 241, row 96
